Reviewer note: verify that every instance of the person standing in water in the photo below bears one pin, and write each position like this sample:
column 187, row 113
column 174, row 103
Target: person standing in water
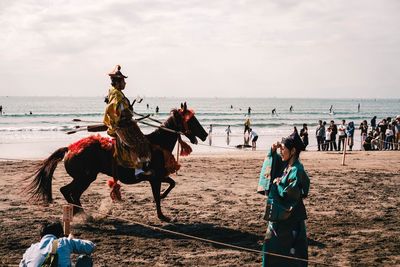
column 246, row 125
column 210, row 134
column 228, row 132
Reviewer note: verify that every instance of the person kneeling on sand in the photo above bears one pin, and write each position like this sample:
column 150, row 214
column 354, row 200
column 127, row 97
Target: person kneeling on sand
column 52, row 234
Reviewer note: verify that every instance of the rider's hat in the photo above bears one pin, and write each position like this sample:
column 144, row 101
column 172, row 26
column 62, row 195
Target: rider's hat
column 116, row 74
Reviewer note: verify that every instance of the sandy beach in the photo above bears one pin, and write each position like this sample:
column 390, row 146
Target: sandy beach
column 353, row 212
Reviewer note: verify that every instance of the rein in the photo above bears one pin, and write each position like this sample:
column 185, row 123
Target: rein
column 185, row 148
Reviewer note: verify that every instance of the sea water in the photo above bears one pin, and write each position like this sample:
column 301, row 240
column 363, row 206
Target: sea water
column 33, row 127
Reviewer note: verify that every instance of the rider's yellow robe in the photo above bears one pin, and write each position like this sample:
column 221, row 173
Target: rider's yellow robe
column 132, row 147
column 118, row 104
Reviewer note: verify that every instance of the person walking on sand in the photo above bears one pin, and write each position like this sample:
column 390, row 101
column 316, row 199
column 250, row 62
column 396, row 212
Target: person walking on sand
column 285, row 183
column 157, row 109
column 52, row 237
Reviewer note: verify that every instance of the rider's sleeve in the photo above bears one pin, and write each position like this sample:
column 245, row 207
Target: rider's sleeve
column 113, row 111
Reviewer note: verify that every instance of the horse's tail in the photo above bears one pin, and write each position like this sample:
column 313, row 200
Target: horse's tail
column 40, row 187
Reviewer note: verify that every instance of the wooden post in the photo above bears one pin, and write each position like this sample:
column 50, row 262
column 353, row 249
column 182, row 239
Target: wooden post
column 344, row 152
column 67, row 218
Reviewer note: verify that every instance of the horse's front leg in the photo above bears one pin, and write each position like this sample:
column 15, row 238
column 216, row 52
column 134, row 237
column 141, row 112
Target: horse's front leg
column 171, row 186
column 156, row 188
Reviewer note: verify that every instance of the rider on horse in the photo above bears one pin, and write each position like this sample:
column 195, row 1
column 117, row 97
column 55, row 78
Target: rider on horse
column 132, row 149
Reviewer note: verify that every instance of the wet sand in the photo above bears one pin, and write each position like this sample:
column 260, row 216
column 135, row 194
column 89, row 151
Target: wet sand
column 353, row 212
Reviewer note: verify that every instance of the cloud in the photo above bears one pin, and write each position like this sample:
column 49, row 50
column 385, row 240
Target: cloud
column 216, row 47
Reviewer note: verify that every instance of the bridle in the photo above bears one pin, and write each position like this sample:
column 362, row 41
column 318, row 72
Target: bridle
column 186, row 116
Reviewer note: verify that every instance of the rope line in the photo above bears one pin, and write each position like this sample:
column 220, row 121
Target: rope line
column 155, row 228
column 11, row 159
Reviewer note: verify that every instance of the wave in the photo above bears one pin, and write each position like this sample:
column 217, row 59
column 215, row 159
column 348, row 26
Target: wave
column 64, row 128
column 50, row 115
column 37, row 129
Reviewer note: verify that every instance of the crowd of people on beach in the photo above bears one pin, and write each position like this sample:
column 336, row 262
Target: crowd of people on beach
column 384, row 135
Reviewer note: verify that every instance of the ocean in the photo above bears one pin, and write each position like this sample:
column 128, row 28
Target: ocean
column 33, row 127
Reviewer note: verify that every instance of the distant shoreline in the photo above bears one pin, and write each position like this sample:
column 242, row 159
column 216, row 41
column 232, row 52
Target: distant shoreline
column 211, row 97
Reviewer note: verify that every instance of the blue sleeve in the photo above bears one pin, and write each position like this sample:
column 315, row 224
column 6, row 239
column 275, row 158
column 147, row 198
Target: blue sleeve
column 81, row 246
column 270, row 169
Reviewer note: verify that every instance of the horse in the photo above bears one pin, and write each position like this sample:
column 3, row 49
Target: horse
column 86, row 158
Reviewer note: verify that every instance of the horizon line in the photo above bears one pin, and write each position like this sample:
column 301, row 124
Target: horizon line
column 215, row 97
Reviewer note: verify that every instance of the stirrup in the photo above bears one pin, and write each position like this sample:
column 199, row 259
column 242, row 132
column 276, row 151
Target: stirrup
column 145, row 174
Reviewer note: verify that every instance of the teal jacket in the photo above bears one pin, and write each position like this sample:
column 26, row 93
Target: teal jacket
column 293, row 187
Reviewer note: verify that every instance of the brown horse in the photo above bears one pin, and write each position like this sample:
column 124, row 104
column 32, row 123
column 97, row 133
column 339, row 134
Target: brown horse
column 88, row 157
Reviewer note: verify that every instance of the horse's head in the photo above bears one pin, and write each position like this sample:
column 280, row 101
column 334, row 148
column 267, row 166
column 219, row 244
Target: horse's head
column 188, row 124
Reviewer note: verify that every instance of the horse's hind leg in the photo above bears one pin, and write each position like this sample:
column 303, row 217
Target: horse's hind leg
column 66, row 192
column 73, row 191
column 171, row 186
column 79, row 188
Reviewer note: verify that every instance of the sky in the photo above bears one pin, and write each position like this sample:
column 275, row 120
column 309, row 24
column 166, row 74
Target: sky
column 201, row 48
